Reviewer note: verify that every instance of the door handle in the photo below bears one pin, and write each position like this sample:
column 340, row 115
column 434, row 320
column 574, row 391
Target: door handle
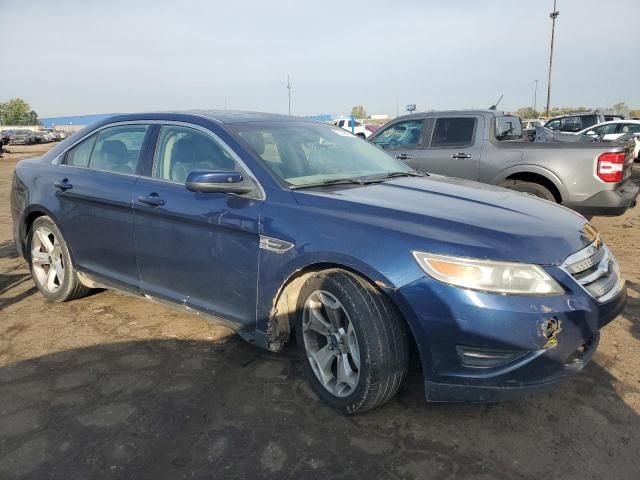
column 152, row 199
column 460, row 155
column 63, row 184
column 403, row 156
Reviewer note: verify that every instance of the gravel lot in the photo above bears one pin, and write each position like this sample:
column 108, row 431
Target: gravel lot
column 114, row 386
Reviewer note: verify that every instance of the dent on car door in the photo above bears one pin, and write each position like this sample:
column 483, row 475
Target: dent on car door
column 94, row 186
column 194, row 248
column 404, row 141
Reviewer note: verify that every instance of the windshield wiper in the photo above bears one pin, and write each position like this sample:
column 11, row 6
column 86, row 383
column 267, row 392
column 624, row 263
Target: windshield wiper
column 326, row 183
column 411, row 173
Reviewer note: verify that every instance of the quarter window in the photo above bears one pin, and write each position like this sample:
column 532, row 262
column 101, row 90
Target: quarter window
column 118, row 149
column 402, row 134
column 453, row 132
column 79, row 155
column 181, row 150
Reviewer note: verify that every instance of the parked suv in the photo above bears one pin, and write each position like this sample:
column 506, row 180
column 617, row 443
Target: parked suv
column 574, row 122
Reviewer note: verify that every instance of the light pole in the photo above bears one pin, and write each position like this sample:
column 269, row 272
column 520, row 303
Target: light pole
column 535, row 98
column 289, row 89
column 553, row 15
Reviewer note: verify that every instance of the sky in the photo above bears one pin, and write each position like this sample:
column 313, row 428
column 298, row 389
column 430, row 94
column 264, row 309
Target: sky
column 73, row 57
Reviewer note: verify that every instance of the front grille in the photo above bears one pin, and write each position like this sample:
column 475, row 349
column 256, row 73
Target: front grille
column 596, row 270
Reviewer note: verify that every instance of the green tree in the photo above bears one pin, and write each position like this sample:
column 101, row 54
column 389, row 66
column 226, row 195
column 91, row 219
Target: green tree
column 635, row 113
column 17, row 112
column 359, row 112
column 527, row 112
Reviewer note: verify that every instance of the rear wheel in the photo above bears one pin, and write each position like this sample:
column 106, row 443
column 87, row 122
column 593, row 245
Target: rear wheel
column 529, row 187
column 354, row 343
column 50, row 262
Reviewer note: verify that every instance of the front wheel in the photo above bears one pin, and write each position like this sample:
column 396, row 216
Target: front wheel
column 354, row 343
column 50, row 262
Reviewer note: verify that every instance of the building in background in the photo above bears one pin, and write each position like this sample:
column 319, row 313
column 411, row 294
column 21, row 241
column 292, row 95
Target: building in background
column 73, row 123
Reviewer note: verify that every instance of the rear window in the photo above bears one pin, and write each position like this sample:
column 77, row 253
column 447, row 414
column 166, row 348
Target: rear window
column 453, row 132
column 509, row 127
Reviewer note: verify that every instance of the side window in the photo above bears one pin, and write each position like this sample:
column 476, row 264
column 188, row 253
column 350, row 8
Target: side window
column 553, row 124
column 118, row 149
column 79, row 155
column 632, row 127
column 588, row 120
column 403, row 134
column 181, row 150
column 453, row 132
column 572, row 124
column 341, row 123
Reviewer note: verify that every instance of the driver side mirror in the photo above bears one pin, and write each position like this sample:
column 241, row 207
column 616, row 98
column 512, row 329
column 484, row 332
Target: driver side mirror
column 217, row 181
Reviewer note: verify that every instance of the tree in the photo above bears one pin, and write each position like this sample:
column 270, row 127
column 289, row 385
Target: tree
column 634, row 113
column 359, row 112
column 17, row 112
column 620, row 108
column 527, row 112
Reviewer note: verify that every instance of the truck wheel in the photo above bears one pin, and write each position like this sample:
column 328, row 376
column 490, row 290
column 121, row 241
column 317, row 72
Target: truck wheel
column 354, row 343
column 50, row 262
column 529, row 187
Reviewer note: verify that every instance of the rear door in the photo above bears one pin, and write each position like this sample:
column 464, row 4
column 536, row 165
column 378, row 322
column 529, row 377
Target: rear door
column 94, row 185
column 404, row 140
column 454, row 147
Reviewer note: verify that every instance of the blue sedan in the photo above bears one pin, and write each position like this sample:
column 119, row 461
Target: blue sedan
column 284, row 228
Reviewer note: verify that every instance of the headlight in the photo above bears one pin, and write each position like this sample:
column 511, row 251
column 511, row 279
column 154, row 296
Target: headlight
column 489, row 276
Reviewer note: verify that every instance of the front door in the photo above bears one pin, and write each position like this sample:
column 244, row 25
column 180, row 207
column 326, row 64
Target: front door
column 404, row 141
column 196, row 249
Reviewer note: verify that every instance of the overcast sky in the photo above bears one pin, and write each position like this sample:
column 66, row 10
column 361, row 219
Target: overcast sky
column 82, row 57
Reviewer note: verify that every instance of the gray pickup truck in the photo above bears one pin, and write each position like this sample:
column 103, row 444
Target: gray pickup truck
column 488, row 146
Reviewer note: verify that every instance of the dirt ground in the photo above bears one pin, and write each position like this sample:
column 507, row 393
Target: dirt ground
column 114, row 386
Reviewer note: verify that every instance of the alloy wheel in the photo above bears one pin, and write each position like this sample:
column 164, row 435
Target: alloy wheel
column 331, row 343
column 47, row 260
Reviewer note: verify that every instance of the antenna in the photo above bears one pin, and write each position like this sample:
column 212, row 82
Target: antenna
column 289, row 89
column 495, row 105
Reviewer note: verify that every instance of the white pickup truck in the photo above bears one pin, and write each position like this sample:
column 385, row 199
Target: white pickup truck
column 359, row 128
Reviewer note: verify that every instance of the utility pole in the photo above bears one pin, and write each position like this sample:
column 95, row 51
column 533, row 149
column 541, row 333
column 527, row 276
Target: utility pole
column 535, row 97
column 289, row 89
column 553, row 15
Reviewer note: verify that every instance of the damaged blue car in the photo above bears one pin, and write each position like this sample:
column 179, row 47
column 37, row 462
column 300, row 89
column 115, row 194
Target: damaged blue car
column 288, row 229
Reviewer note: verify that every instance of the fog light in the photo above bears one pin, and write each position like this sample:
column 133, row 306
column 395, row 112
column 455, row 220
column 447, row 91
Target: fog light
column 486, row 358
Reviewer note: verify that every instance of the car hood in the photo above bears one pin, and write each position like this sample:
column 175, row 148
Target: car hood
column 458, row 217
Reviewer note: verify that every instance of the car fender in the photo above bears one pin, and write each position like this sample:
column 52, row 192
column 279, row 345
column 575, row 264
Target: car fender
column 274, row 282
column 529, row 168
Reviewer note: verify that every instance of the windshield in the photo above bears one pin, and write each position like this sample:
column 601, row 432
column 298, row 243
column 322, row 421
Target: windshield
column 308, row 153
column 508, row 127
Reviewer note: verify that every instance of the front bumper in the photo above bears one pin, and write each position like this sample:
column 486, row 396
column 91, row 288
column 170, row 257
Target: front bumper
column 447, row 321
column 609, row 202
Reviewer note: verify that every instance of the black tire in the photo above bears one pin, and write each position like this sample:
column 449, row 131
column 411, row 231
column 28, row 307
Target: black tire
column 529, row 187
column 381, row 335
column 70, row 287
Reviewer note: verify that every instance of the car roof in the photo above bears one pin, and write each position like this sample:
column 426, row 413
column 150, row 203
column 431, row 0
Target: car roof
column 218, row 116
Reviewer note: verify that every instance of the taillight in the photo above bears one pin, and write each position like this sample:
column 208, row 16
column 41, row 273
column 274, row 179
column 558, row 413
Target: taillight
column 611, row 166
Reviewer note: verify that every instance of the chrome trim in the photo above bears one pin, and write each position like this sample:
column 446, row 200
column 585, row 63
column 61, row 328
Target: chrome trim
column 261, row 192
column 606, row 276
column 274, row 244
